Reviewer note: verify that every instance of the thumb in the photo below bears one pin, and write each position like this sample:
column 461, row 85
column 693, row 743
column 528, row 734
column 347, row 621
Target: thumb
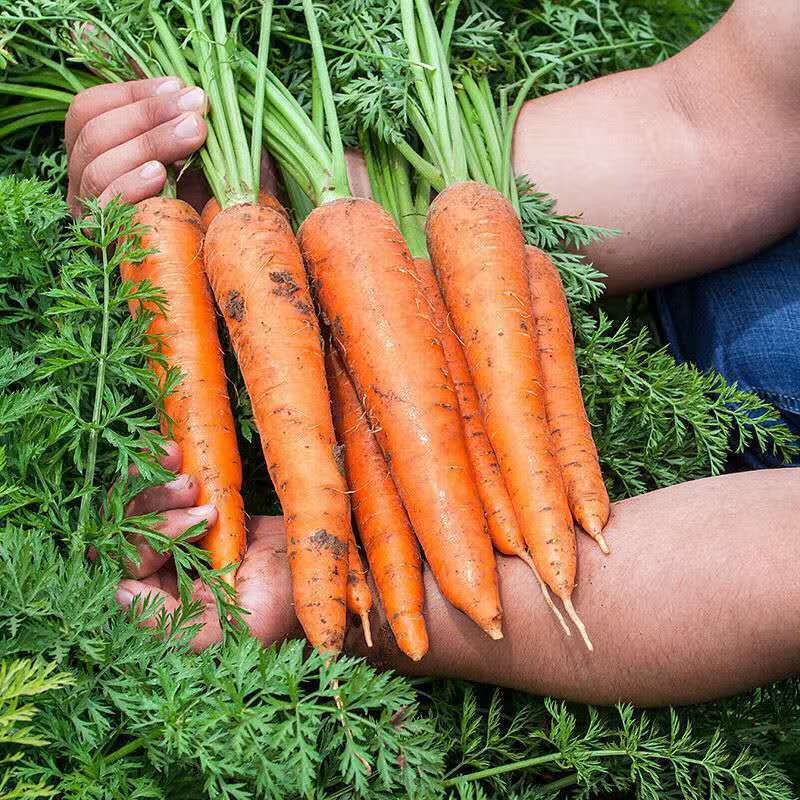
column 132, row 593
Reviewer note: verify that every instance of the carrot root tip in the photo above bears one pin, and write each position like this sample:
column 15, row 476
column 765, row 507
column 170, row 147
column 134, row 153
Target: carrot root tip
column 365, row 625
column 600, row 539
column 546, row 593
column 573, row 615
column 495, row 632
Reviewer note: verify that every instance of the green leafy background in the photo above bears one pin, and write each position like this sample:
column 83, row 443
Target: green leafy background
column 93, row 706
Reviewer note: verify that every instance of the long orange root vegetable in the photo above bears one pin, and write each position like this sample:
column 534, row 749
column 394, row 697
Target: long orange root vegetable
column 359, row 596
column 500, row 517
column 366, row 286
column 477, row 247
column 266, row 199
column 386, row 533
column 199, row 408
column 256, row 271
column 569, row 426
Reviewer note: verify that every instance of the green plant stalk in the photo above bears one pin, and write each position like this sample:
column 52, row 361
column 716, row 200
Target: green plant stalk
column 66, row 74
column 447, row 26
column 257, row 131
column 407, row 216
column 171, row 59
column 38, row 92
column 31, row 121
column 483, row 108
column 229, row 95
column 31, row 107
column 340, row 186
column 99, row 391
column 479, row 170
column 209, row 80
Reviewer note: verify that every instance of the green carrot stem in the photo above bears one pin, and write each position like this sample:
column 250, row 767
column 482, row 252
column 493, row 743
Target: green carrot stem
column 28, row 108
column 257, row 131
column 229, row 97
column 38, row 92
column 447, row 26
column 31, row 121
column 340, row 185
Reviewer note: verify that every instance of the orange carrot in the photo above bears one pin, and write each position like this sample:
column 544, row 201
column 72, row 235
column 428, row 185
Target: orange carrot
column 386, row 533
column 211, row 208
column 365, row 282
column 569, row 426
column 500, row 517
column 202, row 422
column 256, row 271
column 359, row 595
column 476, row 245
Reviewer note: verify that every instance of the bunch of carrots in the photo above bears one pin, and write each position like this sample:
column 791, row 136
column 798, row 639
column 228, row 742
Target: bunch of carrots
column 420, row 383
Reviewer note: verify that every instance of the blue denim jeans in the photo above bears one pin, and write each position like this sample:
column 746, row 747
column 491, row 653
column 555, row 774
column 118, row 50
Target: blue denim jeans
column 743, row 321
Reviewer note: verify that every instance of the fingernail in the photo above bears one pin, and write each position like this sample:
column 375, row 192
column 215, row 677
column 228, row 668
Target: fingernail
column 192, row 99
column 169, row 86
column 124, row 597
column 188, row 127
column 181, row 482
column 201, row 511
column 152, row 169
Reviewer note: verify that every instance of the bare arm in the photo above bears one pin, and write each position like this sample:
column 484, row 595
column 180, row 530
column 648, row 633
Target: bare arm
column 696, row 161
column 699, row 598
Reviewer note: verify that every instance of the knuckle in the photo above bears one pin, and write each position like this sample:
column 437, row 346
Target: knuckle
column 92, row 181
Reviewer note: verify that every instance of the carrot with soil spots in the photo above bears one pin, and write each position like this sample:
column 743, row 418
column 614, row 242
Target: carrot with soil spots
column 202, row 422
column 569, row 425
column 256, row 271
column 477, row 248
column 365, row 283
column 500, row 517
column 212, row 207
column 359, row 595
column 386, row 533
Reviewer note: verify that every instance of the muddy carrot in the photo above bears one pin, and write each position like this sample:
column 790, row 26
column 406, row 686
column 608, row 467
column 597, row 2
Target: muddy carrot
column 212, row 208
column 500, row 517
column 199, row 409
column 477, row 248
column 569, row 426
column 386, row 533
column 256, row 271
column 366, row 286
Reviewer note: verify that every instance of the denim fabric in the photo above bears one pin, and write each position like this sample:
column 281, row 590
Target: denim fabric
column 743, row 321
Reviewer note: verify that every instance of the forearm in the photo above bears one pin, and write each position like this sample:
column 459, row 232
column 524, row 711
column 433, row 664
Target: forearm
column 695, row 161
column 698, row 599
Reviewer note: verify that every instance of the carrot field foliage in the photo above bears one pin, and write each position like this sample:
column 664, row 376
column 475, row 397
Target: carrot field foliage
column 92, row 706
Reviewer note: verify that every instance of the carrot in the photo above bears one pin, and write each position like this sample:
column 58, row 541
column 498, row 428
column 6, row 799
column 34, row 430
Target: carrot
column 359, row 595
column 476, row 245
column 212, row 208
column 202, row 422
column 366, row 286
column 386, row 533
column 500, row 517
column 256, row 271
column 569, row 426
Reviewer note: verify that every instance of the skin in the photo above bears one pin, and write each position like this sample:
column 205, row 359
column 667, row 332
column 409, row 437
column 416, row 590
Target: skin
column 733, row 610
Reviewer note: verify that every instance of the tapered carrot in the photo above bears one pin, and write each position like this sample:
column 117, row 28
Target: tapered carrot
column 365, row 284
column 202, row 422
column 476, row 245
column 500, row 517
column 569, row 426
column 359, row 595
column 256, row 271
column 386, row 533
column 212, row 208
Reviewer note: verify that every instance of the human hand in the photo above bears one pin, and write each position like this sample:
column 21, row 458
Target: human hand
column 263, row 581
column 119, row 137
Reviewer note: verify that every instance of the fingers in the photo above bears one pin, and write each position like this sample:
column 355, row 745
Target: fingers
column 97, row 100
column 181, row 492
column 173, row 524
column 120, row 137
column 112, row 128
column 165, row 144
column 130, row 592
